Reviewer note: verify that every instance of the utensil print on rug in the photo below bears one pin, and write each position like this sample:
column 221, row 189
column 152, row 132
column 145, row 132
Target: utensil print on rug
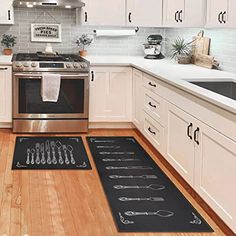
column 47, row 149
column 129, row 168
column 43, row 160
column 132, row 177
column 67, row 161
column 114, row 147
column 32, row 156
column 129, row 159
column 70, row 149
column 151, row 186
column 37, row 147
column 161, row 213
column 93, row 140
column 151, row 199
column 59, row 146
column 116, row 153
column 53, row 146
column 28, row 156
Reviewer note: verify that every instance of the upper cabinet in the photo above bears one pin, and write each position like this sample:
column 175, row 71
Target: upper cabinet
column 144, row 13
column 221, row 13
column 6, row 12
column 184, row 13
column 104, row 12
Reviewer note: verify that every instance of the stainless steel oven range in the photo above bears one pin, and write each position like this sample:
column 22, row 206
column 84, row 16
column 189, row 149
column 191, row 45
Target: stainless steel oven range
column 70, row 113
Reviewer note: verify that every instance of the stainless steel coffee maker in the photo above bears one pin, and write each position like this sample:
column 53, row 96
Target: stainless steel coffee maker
column 152, row 49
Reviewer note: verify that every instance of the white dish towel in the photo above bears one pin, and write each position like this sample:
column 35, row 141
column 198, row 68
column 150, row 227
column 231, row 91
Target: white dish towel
column 50, row 87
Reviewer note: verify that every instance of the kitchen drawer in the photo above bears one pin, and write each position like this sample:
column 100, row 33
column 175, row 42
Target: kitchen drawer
column 153, row 105
column 154, row 132
column 152, row 84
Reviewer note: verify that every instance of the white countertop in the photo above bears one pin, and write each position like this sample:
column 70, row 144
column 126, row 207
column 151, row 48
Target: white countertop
column 174, row 74
column 5, row 60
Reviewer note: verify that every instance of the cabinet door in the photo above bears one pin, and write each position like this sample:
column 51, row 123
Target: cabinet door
column 144, row 13
column 215, row 175
column 6, row 13
column 138, row 98
column 119, row 100
column 5, row 94
column 217, row 13
column 99, row 82
column 184, row 13
column 180, row 147
column 104, row 12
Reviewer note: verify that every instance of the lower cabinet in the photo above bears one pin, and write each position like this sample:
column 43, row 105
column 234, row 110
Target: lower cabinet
column 215, row 175
column 179, row 141
column 110, row 94
column 5, row 94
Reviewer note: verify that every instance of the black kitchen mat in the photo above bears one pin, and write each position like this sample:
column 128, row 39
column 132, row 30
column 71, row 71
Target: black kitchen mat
column 142, row 198
column 50, row 153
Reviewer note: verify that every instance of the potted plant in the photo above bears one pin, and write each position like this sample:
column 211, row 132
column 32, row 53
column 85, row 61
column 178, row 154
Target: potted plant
column 182, row 51
column 8, row 42
column 84, row 41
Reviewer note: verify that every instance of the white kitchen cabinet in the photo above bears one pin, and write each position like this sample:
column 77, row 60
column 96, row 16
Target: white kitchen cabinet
column 6, row 12
column 144, row 13
column 138, row 99
column 5, row 94
column 221, row 13
column 111, row 94
column 104, row 12
column 184, row 13
column 215, row 175
column 179, row 141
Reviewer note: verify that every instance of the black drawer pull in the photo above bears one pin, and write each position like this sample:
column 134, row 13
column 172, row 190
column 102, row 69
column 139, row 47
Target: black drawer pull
column 153, row 85
column 129, row 17
column 9, row 15
column 180, row 16
column 188, row 131
column 150, row 104
column 220, row 17
column 3, row 68
column 152, row 132
column 92, row 75
column 86, row 17
column 223, row 17
column 195, row 135
column 176, row 19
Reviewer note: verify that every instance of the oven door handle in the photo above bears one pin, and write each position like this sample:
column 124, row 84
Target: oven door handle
column 36, row 76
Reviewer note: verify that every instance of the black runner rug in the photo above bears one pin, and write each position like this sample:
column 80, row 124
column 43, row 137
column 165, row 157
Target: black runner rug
column 142, row 198
column 50, row 153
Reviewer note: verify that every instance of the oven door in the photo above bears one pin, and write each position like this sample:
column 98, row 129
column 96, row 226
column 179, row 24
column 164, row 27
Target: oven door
column 72, row 102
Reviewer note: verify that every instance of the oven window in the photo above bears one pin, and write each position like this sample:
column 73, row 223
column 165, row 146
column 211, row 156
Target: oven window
column 71, row 97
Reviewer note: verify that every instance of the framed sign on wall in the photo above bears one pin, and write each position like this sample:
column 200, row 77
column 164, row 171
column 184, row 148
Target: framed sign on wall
column 46, row 33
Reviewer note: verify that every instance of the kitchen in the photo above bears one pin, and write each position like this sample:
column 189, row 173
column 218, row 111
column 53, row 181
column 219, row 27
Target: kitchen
column 128, row 142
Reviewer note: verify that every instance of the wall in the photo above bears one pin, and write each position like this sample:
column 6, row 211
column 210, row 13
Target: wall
column 223, row 44
column 70, row 31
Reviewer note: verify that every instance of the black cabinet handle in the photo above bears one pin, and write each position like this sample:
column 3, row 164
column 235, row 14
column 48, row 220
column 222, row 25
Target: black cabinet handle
column 3, row 68
column 9, row 15
column 188, row 131
column 153, row 85
column 129, row 17
column 176, row 19
column 150, row 104
column 152, row 132
column 220, row 17
column 223, row 17
column 86, row 17
column 180, row 16
column 196, row 135
column 92, row 75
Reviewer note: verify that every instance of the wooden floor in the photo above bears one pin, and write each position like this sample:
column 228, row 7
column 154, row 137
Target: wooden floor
column 70, row 203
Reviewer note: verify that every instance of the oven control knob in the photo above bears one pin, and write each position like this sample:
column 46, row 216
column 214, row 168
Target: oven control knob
column 83, row 65
column 34, row 64
column 76, row 65
column 69, row 65
column 18, row 64
column 26, row 64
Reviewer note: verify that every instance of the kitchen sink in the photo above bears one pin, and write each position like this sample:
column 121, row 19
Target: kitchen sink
column 225, row 88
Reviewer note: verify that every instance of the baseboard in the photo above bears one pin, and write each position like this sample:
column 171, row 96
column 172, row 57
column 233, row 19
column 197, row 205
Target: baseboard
column 187, row 187
column 111, row 125
column 4, row 125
